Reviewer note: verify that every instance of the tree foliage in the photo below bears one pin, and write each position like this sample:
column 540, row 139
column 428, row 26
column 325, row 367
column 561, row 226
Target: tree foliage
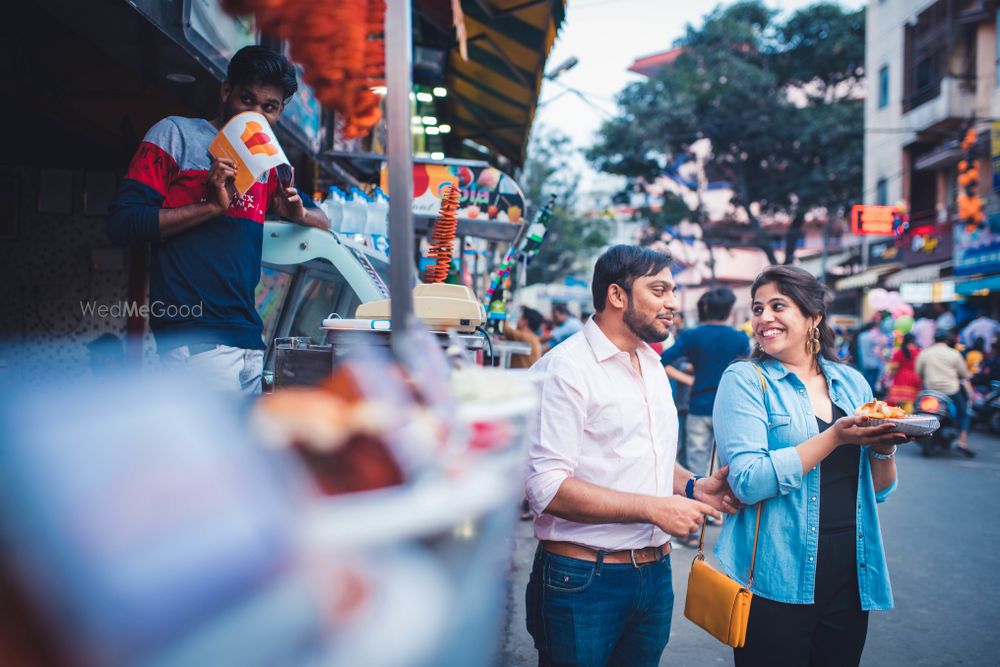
column 777, row 100
column 571, row 238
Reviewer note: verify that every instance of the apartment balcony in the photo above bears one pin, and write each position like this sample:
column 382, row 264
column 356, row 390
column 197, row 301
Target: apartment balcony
column 940, row 106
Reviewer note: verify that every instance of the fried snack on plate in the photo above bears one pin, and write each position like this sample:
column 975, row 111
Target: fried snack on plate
column 880, row 410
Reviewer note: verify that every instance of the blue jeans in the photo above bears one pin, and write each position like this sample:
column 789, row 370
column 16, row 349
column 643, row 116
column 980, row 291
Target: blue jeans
column 594, row 614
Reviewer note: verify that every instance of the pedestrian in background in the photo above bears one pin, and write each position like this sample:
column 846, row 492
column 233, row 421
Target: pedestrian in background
column 786, row 429
column 983, row 327
column 528, row 330
column 924, row 328
column 710, row 347
column 870, row 359
column 565, row 324
column 942, row 368
column 904, row 381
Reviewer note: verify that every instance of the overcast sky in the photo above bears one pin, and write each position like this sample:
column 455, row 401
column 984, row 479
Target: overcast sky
column 607, row 36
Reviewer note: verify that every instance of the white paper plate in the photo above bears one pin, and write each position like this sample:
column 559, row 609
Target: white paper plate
column 916, row 426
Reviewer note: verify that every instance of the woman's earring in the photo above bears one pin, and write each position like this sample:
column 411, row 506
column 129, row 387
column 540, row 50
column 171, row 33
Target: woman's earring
column 812, row 342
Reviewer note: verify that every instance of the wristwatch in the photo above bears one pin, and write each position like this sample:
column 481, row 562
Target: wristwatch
column 883, row 457
column 689, row 488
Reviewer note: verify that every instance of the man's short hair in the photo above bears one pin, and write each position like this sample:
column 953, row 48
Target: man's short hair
column 621, row 265
column 534, row 318
column 256, row 65
column 716, row 304
column 561, row 308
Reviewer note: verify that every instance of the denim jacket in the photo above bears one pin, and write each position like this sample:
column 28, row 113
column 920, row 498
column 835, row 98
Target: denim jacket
column 756, row 433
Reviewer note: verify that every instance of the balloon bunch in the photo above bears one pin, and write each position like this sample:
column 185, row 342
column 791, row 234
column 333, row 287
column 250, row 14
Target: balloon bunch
column 339, row 46
column 443, row 236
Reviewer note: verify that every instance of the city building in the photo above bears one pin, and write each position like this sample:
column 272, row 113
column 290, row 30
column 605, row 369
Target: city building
column 932, row 76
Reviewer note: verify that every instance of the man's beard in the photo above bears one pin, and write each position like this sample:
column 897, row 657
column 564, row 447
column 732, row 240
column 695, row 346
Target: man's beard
column 647, row 332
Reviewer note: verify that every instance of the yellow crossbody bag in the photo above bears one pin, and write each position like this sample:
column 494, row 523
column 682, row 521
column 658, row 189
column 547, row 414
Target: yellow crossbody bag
column 716, row 603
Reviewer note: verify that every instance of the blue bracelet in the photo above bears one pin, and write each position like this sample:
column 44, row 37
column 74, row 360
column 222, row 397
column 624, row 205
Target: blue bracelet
column 689, row 489
column 883, row 457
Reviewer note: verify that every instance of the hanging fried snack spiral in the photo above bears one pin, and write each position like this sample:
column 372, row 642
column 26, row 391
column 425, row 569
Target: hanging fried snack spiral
column 443, row 237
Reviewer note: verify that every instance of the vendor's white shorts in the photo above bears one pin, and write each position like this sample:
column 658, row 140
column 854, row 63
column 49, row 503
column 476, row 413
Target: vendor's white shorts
column 225, row 368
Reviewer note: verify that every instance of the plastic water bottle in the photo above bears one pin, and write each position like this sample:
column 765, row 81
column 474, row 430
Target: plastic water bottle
column 355, row 213
column 378, row 227
column 334, row 205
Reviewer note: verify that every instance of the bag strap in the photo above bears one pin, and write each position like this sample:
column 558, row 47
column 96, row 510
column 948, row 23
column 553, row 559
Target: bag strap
column 756, row 531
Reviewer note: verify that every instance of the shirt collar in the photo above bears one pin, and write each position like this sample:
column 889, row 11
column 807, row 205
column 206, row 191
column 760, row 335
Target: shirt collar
column 604, row 349
column 777, row 370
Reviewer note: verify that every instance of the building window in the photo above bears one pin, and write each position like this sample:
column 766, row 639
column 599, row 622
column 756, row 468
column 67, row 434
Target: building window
column 925, row 54
column 882, row 192
column 883, row 87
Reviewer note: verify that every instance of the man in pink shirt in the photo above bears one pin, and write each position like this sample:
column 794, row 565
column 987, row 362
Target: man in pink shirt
column 602, row 479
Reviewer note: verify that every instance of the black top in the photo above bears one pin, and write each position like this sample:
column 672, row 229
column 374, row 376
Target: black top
column 838, row 487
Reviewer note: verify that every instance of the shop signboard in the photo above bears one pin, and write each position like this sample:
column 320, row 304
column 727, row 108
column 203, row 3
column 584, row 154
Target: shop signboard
column 941, row 291
column 978, row 251
column 876, row 220
column 844, row 322
column 933, row 246
column 883, row 252
column 487, row 194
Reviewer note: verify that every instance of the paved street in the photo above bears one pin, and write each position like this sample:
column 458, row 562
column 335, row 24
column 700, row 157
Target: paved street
column 943, row 543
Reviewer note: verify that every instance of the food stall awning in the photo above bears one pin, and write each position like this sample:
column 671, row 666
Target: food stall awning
column 917, row 274
column 492, row 95
column 977, row 285
column 866, row 278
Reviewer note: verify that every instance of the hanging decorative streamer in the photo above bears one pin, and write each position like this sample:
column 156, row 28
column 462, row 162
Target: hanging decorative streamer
column 443, row 236
column 340, row 46
column 531, row 245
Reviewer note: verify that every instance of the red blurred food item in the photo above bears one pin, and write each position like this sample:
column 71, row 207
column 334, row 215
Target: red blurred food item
column 340, row 47
column 339, row 440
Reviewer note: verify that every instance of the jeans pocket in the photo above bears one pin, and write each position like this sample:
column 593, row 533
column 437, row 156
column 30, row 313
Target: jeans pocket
column 567, row 575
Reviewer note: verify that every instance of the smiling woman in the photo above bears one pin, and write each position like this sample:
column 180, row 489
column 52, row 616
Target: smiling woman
column 796, row 445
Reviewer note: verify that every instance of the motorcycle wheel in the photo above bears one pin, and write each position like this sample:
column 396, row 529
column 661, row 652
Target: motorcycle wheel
column 994, row 421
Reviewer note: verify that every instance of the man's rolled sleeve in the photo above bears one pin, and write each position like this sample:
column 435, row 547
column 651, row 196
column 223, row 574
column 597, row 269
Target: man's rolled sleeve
column 741, row 429
column 554, row 447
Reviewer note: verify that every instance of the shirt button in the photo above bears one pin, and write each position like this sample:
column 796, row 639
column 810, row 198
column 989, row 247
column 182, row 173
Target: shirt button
column 860, row 536
column 812, row 528
column 813, row 499
column 810, row 560
column 862, row 566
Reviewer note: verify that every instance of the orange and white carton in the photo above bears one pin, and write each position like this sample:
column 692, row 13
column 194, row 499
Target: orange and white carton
column 248, row 140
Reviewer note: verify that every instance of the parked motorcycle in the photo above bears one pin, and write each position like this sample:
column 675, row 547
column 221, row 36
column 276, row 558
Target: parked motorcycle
column 986, row 408
column 936, row 404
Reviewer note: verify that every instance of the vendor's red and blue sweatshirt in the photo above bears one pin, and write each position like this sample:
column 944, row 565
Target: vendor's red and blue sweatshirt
column 215, row 264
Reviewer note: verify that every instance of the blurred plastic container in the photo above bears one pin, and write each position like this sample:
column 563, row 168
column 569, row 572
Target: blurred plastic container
column 355, row 216
column 334, row 206
column 377, row 227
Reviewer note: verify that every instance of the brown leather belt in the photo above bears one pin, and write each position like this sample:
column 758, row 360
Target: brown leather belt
column 636, row 557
